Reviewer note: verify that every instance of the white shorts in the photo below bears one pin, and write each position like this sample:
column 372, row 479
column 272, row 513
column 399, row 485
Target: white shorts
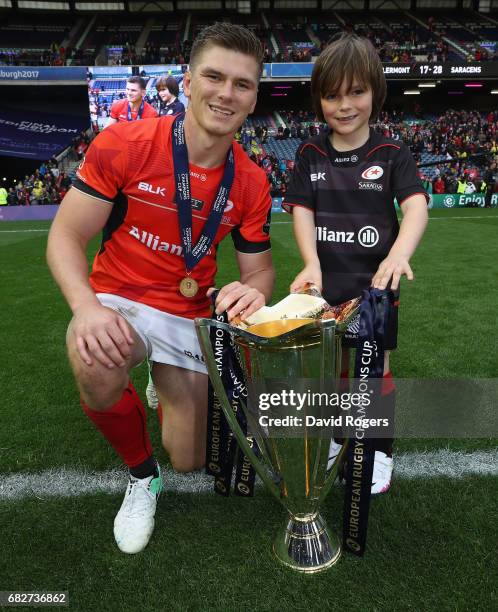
column 167, row 338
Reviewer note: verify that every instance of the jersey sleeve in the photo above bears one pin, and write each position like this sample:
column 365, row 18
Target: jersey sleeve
column 405, row 179
column 115, row 110
column 149, row 112
column 253, row 233
column 299, row 191
column 101, row 173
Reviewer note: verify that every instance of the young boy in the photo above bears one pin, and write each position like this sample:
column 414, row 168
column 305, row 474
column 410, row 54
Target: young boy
column 342, row 198
column 168, row 91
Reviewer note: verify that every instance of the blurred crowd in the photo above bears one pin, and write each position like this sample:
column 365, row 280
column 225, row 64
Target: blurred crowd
column 457, row 152
column 464, row 142
column 49, row 183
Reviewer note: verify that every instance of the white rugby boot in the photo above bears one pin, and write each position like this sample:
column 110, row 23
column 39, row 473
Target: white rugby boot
column 382, row 473
column 134, row 523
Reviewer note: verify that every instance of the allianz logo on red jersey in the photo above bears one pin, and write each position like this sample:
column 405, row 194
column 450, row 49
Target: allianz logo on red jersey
column 155, row 243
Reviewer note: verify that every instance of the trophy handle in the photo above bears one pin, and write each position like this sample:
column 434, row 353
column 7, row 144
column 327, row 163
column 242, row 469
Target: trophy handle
column 331, row 366
column 203, row 326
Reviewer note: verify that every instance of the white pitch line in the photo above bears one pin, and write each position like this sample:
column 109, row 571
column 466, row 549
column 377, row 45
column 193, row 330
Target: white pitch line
column 462, row 217
column 68, row 482
column 22, row 231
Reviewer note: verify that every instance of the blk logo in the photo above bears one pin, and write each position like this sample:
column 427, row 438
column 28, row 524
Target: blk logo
column 317, row 176
column 372, row 174
column 151, row 189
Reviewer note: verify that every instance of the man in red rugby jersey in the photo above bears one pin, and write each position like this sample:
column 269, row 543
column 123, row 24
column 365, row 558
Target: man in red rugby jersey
column 133, row 107
column 164, row 193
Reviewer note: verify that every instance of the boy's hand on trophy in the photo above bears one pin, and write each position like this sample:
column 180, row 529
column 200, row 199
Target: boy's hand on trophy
column 238, row 300
column 311, row 274
column 393, row 267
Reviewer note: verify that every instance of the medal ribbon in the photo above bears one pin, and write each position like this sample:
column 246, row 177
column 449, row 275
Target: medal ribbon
column 140, row 111
column 369, row 366
column 193, row 255
column 223, row 455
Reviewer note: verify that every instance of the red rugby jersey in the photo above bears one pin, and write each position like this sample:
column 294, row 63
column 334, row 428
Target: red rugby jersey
column 130, row 165
column 119, row 111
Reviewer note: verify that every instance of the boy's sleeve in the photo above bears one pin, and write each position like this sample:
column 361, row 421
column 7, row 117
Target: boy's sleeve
column 101, row 173
column 405, row 180
column 299, row 191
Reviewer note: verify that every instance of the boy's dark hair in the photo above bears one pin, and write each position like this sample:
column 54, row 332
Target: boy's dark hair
column 138, row 81
column 229, row 36
column 169, row 83
column 348, row 57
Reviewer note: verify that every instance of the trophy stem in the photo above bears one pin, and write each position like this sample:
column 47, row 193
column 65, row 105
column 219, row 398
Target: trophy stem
column 307, row 545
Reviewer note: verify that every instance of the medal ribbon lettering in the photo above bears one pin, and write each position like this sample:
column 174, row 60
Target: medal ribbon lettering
column 193, row 254
column 369, row 368
column 222, row 450
column 140, row 111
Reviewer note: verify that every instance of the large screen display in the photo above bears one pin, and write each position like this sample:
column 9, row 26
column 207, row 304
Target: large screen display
column 107, row 84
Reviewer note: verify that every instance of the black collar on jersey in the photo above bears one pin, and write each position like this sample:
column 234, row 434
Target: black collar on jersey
column 193, row 255
column 323, row 145
column 360, row 152
column 140, row 111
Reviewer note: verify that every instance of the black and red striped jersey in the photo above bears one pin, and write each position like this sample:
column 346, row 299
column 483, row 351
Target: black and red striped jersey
column 352, row 195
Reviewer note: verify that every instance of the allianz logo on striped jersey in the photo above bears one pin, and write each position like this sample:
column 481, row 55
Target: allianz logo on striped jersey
column 367, row 236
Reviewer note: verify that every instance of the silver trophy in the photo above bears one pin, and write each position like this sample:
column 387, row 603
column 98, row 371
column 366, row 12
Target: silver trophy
column 294, row 468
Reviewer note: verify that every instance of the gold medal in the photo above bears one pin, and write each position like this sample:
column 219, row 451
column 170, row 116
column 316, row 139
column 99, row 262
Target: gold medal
column 189, row 287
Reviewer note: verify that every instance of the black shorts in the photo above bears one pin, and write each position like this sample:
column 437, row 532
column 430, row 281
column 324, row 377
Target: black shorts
column 350, row 338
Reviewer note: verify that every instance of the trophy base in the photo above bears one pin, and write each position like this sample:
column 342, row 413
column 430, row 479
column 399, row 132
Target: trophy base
column 307, row 545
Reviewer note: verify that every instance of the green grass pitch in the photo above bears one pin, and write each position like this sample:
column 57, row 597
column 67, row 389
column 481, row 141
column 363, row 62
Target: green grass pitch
column 432, row 543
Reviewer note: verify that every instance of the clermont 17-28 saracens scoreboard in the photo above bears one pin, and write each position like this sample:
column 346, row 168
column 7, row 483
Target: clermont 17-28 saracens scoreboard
column 442, row 70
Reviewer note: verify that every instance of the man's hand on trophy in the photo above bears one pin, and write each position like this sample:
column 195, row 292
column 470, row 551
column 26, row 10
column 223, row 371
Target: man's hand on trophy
column 311, row 274
column 238, row 300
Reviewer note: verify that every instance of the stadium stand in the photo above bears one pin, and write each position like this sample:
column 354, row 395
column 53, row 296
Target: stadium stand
column 439, row 143
column 46, row 40
column 400, row 36
column 454, row 145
